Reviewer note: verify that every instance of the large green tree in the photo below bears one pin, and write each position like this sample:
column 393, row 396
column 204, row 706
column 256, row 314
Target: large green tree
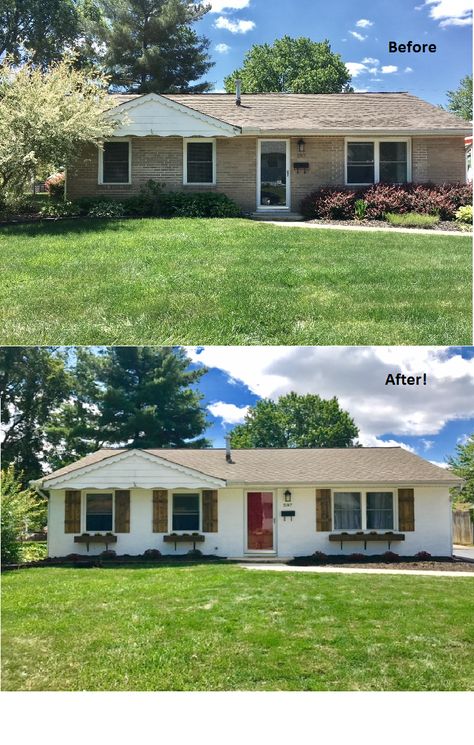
column 33, row 383
column 462, row 463
column 291, row 66
column 151, row 45
column 131, row 397
column 460, row 100
column 306, row 421
column 21, row 511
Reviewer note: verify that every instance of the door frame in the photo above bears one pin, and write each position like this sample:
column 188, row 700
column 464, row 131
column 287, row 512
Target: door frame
column 260, row 551
column 273, row 207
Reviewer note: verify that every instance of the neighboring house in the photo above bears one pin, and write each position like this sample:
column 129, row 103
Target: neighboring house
column 281, row 502
column 267, row 151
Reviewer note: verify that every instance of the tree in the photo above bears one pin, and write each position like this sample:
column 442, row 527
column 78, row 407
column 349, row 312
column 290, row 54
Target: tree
column 33, row 382
column 131, row 397
column 291, row 66
column 21, row 511
column 462, row 463
column 42, row 28
column 306, row 421
column 151, row 46
column 45, row 117
column 460, row 100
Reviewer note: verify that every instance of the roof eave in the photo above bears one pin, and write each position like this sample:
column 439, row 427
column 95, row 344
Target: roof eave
column 344, row 132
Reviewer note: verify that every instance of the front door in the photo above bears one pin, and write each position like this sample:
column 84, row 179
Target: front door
column 273, row 177
column 260, row 521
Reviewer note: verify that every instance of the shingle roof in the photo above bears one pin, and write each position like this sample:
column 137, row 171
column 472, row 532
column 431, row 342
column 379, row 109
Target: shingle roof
column 320, row 112
column 274, row 465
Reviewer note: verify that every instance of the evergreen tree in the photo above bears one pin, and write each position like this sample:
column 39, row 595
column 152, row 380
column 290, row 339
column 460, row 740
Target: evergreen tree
column 460, row 100
column 462, row 463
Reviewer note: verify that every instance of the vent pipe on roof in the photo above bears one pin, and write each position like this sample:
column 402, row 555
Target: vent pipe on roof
column 228, row 454
column 238, row 89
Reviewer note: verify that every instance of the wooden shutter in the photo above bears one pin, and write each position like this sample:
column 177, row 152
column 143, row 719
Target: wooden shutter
column 406, row 509
column 72, row 511
column 323, row 510
column 160, row 511
column 122, row 511
column 209, row 511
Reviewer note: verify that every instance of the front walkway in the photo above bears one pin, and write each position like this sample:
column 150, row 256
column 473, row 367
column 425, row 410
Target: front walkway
column 349, row 570
column 359, row 228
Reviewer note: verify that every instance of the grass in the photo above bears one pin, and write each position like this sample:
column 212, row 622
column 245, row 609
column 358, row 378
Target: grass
column 185, row 281
column 412, row 220
column 227, row 628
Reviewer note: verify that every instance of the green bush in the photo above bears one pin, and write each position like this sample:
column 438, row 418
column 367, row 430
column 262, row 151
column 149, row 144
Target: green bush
column 412, row 220
column 360, row 209
column 197, row 204
column 59, row 209
column 107, row 209
column 21, row 511
column 464, row 214
column 33, row 550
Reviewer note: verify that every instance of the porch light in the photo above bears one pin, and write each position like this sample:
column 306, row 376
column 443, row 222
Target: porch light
column 301, row 143
column 287, row 496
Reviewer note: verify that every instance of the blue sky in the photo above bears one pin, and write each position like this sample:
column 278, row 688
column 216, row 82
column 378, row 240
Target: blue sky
column 359, row 32
column 429, row 420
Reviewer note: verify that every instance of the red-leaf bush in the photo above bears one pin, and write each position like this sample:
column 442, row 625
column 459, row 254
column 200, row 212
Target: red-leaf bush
column 423, row 555
column 319, row 556
column 55, row 185
column 152, row 553
column 390, row 556
column 329, row 203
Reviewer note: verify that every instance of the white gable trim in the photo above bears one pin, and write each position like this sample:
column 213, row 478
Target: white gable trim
column 201, row 480
column 197, row 123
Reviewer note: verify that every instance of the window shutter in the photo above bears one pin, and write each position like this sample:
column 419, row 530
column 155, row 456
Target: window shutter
column 122, row 511
column 209, row 511
column 72, row 511
column 160, row 511
column 323, row 510
column 406, row 509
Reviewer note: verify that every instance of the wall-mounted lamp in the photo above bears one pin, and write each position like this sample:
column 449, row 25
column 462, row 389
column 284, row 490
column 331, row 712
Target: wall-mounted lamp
column 287, row 496
column 301, row 143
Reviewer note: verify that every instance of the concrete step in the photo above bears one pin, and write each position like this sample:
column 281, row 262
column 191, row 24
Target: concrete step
column 260, row 559
column 277, row 215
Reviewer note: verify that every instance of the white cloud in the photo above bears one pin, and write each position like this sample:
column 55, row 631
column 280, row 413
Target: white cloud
column 222, row 48
column 440, row 464
column 450, row 12
column 370, row 61
column 463, row 439
column 356, row 68
column 229, row 413
column 427, row 444
column 221, row 6
column 356, row 375
column 387, row 69
column 361, row 90
column 235, row 27
column 408, row 69
column 364, row 23
column 358, row 36
column 375, row 80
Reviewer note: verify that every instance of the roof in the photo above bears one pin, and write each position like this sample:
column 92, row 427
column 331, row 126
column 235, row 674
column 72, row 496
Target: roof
column 291, row 465
column 299, row 112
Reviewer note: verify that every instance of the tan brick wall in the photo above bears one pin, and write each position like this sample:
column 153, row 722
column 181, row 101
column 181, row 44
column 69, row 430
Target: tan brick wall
column 161, row 158
column 438, row 159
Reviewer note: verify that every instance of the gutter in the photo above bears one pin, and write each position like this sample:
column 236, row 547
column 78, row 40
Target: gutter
column 357, row 132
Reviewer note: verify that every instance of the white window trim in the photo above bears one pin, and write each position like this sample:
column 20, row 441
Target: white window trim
column 170, row 510
column 84, row 509
column 100, row 178
column 376, row 142
column 363, row 508
column 212, row 140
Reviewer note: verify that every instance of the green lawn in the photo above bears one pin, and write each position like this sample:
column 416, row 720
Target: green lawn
column 188, row 281
column 226, row 628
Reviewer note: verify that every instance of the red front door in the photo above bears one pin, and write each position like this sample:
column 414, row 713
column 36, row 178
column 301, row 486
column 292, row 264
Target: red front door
column 260, row 521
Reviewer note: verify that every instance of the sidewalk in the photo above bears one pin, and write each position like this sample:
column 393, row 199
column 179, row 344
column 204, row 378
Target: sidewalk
column 327, row 226
column 347, row 570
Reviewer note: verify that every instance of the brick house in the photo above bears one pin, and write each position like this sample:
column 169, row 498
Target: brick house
column 267, row 151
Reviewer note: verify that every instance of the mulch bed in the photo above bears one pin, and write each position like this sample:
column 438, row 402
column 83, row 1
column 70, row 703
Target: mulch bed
column 441, row 564
column 442, row 225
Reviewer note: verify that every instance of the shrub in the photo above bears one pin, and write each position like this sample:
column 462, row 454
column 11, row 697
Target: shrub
column 464, row 214
column 108, row 554
column 329, row 204
column 198, row 204
column 152, row 553
column 107, row 209
column 194, row 552
column 59, row 209
column 21, row 510
column 390, row 556
column 55, row 185
column 356, row 557
column 75, row 557
column 320, row 556
column 412, row 220
column 360, row 209
column 423, row 555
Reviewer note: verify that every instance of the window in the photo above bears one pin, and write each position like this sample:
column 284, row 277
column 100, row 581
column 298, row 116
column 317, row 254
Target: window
column 99, row 512
column 379, row 510
column 199, row 162
column 347, row 511
column 369, row 162
column 360, row 163
column 115, row 162
column 185, row 511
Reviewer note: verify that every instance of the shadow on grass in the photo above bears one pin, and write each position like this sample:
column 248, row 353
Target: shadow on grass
column 101, row 564
column 78, row 226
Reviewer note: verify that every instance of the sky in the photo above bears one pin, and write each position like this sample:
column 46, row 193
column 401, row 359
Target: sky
column 359, row 32
column 428, row 420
